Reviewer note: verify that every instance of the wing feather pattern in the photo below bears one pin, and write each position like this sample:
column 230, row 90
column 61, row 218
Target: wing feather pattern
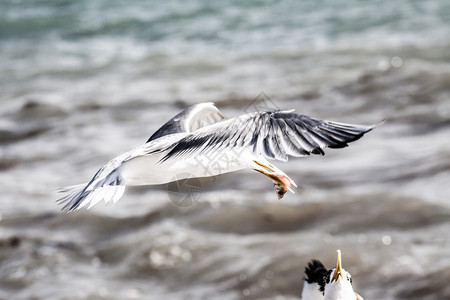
column 275, row 134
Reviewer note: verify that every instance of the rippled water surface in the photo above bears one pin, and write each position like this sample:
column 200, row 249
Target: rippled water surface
column 83, row 81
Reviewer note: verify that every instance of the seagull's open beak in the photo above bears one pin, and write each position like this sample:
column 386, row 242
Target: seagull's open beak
column 281, row 182
column 358, row 297
column 338, row 270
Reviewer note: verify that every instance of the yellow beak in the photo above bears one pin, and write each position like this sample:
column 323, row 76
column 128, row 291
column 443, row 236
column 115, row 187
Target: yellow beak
column 338, row 270
column 358, row 297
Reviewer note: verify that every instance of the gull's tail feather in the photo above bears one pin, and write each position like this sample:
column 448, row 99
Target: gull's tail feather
column 109, row 188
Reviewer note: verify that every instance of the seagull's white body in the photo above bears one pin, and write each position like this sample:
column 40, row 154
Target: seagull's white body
column 149, row 169
column 311, row 292
column 200, row 142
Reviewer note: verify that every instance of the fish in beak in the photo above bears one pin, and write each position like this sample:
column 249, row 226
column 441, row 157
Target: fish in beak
column 281, row 182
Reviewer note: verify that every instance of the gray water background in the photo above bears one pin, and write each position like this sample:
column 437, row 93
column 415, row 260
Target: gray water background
column 83, row 81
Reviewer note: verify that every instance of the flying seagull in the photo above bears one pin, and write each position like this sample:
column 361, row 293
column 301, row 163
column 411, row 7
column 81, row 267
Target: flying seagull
column 323, row 284
column 200, row 142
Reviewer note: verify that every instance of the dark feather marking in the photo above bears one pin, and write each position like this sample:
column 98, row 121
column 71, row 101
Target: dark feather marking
column 303, row 137
column 291, row 146
column 296, row 146
column 242, row 133
column 168, row 128
column 76, row 199
column 73, row 200
column 315, row 272
column 267, row 151
column 213, row 141
column 329, row 139
column 325, row 281
column 174, row 125
column 351, row 129
column 254, row 140
column 296, row 138
column 185, row 145
column 350, row 135
column 313, row 138
column 276, row 144
column 234, row 138
column 323, row 138
column 306, row 122
column 300, row 125
column 336, row 134
column 305, row 132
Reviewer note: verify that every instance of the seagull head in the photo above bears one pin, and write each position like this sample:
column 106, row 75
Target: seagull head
column 338, row 283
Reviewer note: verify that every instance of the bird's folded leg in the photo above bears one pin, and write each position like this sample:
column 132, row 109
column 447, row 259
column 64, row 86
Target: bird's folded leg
column 281, row 182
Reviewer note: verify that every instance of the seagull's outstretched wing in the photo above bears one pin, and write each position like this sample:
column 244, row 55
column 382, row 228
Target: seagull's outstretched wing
column 190, row 119
column 274, row 134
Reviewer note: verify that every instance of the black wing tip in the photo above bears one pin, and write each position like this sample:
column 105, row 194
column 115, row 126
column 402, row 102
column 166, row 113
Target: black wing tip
column 352, row 132
column 318, row 151
column 69, row 205
column 72, row 200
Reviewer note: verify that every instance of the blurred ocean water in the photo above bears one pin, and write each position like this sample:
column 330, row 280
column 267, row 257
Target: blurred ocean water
column 83, row 81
